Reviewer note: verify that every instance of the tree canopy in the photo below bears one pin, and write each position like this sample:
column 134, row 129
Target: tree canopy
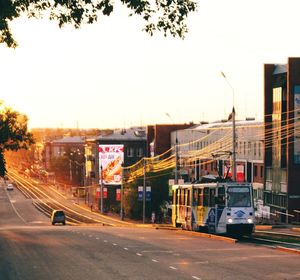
column 168, row 16
column 14, row 134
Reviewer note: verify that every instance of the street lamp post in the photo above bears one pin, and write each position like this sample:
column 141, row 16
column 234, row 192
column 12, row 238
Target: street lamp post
column 101, row 189
column 176, row 150
column 233, row 131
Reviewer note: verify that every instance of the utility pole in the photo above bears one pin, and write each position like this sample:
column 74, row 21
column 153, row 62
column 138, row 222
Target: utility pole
column 122, row 194
column 233, row 146
column 233, row 131
column 176, row 150
column 176, row 159
column 101, row 194
column 144, row 192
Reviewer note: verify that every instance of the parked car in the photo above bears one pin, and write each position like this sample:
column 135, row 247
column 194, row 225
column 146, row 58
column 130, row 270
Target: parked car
column 58, row 216
column 10, row 187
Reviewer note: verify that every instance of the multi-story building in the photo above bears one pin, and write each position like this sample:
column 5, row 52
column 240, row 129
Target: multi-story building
column 134, row 148
column 207, row 149
column 158, row 137
column 282, row 136
column 133, row 139
column 66, row 156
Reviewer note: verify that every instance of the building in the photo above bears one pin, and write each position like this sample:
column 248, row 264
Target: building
column 134, row 148
column 207, row 149
column 133, row 139
column 65, row 156
column 282, row 135
column 158, row 137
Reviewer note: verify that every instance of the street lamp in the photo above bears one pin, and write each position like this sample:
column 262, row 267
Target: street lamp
column 232, row 116
column 176, row 150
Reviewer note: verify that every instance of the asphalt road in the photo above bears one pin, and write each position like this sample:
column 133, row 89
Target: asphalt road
column 30, row 248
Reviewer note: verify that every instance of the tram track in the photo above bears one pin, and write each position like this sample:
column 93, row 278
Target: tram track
column 46, row 204
column 280, row 241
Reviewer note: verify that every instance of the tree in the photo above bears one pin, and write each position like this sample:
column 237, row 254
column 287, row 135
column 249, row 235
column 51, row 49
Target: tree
column 13, row 133
column 168, row 16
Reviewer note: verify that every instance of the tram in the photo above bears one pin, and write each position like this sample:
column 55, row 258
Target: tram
column 220, row 208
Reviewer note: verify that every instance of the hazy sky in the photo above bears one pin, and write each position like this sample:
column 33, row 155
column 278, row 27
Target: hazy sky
column 112, row 74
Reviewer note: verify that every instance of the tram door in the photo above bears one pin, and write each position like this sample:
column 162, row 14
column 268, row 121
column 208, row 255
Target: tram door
column 188, row 209
column 212, row 215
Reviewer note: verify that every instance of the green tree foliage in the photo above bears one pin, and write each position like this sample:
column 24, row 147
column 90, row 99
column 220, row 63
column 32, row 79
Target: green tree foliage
column 13, row 133
column 159, row 194
column 168, row 16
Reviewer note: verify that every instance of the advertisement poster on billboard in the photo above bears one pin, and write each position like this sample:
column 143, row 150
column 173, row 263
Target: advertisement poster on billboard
column 111, row 158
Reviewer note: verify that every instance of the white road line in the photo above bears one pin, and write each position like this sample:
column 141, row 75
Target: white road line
column 172, row 267
column 126, row 249
column 97, row 238
column 90, row 235
column 154, row 260
column 115, row 244
column 195, row 277
column 105, row 241
column 138, row 254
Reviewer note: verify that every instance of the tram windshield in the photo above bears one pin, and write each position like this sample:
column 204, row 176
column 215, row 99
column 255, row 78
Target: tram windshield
column 238, row 197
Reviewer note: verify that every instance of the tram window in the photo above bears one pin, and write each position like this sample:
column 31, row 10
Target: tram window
column 221, row 196
column 181, row 202
column 200, row 197
column 195, row 197
column 175, row 193
column 212, row 197
column 206, row 197
column 239, row 197
column 188, row 199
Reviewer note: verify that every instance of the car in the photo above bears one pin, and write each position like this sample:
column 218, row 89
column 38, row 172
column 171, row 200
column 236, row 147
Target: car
column 10, row 187
column 58, row 216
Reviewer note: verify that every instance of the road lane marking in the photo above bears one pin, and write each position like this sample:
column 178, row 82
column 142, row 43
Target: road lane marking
column 156, row 251
column 138, row 254
column 126, row 249
column 195, row 277
column 105, row 241
column 115, row 244
column 156, row 261
column 97, row 238
column 172, row 267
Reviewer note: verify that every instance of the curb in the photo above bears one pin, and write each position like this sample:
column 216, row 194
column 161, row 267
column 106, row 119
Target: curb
column 202, row 234
column 263, row 227
column 288, row 250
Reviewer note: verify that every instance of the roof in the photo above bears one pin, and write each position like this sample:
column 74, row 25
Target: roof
column 228, row 124
column 280, row 68
column 130, row 134
column 69, row 140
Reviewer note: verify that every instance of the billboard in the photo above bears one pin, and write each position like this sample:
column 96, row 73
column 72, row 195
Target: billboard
column 111, row 158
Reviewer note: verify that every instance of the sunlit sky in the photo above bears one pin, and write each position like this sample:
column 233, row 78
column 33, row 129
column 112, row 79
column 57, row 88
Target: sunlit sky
column 112, row 74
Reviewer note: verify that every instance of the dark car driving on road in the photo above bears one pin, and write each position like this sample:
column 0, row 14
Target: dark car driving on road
column 58, row 216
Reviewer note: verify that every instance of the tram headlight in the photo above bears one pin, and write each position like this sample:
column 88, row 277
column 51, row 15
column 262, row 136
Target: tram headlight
column 230, row 221
column 250, row 221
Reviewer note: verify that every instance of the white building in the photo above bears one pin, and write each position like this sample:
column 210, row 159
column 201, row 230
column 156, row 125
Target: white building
column 207, row 149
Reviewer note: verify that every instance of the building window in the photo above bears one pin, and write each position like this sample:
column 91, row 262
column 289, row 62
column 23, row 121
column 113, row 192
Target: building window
column 130, row 152
column 254, row 149
column 255, row 170
column 261, row 171
column 140, row 152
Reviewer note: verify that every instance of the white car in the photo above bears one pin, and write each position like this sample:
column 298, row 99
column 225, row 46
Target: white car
column 10, row 187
